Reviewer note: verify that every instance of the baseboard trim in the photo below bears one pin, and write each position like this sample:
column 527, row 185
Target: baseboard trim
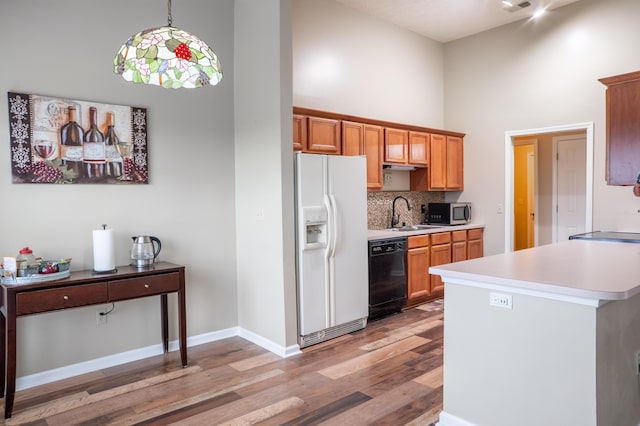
column 447, row 419
column 282, row 351
column 41, row 378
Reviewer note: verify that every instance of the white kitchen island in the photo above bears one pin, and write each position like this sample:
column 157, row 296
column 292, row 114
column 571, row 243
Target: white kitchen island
column 566, row 350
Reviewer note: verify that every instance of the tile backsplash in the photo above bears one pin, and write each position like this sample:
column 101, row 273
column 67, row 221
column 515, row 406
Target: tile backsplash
column 379, row 207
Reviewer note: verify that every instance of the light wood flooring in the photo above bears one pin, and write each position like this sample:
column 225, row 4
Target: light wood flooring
column 390, row 373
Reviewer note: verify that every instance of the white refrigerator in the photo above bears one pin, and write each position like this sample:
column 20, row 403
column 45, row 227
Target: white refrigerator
column 331, row 246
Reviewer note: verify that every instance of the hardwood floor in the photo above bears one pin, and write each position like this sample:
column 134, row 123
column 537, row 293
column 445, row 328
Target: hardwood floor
column 390, row 373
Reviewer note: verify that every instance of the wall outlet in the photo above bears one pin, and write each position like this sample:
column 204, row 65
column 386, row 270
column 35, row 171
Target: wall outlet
column 501, row 300
column 101, row 316
column 500, row 209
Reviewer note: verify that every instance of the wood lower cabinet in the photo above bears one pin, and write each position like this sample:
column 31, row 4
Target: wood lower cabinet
column 440, row 254
column 299, row 132
column 475, row 243
column 418, row 280
column 323, row 136
column 367, row 140
column 440, row 248
column 458, row 246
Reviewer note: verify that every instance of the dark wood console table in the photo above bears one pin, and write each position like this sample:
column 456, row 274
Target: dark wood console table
column 85, row 288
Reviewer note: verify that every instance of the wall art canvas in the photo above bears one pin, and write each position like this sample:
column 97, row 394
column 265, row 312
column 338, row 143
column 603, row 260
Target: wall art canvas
column 62, row 141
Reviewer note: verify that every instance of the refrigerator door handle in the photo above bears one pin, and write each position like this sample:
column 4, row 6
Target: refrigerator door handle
column 329, row 267
column 334, row 224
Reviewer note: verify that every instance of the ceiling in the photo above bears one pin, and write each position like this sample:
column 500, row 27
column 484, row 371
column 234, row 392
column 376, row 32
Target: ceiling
column 448, row 20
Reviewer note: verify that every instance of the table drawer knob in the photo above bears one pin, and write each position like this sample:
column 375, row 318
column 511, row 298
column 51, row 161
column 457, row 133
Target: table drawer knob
column 65, row 297
column 146, row 286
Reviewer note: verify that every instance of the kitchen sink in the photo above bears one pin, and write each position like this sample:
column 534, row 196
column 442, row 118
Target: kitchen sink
column 414, row 228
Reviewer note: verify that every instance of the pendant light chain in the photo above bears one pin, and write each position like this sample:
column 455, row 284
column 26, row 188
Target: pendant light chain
column 169, row 18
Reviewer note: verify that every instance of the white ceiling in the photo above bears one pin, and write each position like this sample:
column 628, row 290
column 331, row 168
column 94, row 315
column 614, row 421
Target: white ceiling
column 447, row 20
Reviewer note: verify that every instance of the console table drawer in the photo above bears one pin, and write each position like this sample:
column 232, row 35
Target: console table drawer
column 143, row 286
column 33, row 302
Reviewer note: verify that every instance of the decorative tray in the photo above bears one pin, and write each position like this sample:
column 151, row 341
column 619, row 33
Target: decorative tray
column 39, row 278
column 60, row 269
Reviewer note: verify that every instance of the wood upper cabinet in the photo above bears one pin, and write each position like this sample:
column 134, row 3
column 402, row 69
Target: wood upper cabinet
column 418, row 281
column 475, row 243
column 323, row 136
column 368, row 140
column 406, row 147
column 623, row 128
column 299, row 132
column 418, row 148
column 446, row 163
column 352, row 138
column 455, row 163
column 436, row 154
column 373, row 149
column 395, row 145
column 440, row 254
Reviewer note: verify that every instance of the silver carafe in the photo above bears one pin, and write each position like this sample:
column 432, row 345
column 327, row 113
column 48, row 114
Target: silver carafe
column 144, row 251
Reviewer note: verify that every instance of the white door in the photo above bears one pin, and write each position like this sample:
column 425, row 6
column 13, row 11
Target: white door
column 570, row 189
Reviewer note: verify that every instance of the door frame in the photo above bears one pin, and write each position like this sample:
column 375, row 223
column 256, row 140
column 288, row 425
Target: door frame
column 508, row 181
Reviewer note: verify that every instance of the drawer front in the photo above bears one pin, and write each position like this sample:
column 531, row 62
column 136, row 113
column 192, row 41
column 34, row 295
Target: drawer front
column 418, row 241
column 32, row 302
column 441, row 238
column 143, row 286
column 475, row 234
column 459, row 235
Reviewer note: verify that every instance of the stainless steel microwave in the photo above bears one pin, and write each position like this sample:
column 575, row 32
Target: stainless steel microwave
column 449, row 213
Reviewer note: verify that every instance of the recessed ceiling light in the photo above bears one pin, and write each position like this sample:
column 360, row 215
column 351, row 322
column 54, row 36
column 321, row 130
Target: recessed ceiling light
column 538, row 13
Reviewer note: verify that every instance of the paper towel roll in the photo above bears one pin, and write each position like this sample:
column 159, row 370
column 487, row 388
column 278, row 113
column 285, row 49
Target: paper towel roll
column 104, row 254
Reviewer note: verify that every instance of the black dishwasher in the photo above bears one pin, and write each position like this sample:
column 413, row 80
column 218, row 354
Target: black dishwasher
column 387, row 277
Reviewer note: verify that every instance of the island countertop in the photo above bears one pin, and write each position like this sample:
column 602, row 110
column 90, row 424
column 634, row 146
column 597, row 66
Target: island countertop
column 594, row 270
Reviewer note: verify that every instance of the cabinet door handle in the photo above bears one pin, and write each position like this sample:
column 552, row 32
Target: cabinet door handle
column 146, row 286
column 65, row 297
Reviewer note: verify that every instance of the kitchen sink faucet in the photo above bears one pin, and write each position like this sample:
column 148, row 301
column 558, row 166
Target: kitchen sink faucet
column 395, row 219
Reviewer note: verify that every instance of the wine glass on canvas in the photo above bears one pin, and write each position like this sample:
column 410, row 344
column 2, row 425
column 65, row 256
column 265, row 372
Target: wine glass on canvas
column 125, row 149
column 43, row 148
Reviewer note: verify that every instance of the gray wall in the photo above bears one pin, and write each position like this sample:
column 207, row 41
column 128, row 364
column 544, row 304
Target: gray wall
column 264, row 172
column 65, row 49
column 535, row 74
column 351, row 63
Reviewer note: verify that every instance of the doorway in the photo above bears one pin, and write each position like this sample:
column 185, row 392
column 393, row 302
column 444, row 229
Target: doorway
column 525, row 154
column 545, row 221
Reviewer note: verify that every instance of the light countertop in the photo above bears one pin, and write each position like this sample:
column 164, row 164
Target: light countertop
column 595, row 270
column 382, row 234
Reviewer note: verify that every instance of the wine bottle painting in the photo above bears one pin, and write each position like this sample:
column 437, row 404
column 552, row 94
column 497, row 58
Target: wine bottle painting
column 64, row 141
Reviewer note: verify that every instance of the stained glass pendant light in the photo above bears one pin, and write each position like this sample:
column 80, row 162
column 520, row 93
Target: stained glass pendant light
column 167, row 57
